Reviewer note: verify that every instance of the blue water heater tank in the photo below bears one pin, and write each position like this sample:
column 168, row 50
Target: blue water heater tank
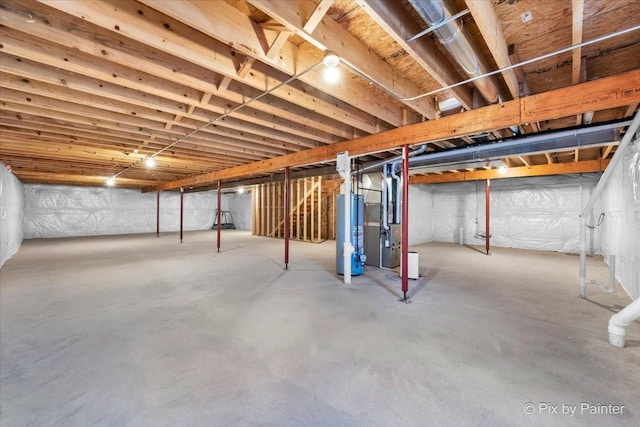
column 357, row 235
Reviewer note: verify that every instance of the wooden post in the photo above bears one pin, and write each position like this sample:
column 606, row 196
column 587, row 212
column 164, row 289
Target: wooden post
column 313, row 211
column 268, row 207
column 298, row 211
column 304, row 213
column 319, row 232
column 274, row 205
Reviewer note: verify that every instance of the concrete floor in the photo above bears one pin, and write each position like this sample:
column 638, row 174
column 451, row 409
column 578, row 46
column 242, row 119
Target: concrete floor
column 143, row 331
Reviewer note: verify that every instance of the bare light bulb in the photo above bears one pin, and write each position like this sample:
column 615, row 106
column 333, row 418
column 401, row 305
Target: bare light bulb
column 150, row 162
column 111, row 182
column 502, row 170
column 331, row 75
column 241, row 190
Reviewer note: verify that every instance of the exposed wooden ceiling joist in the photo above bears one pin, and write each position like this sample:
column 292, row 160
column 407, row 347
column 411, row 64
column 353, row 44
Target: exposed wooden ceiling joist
column 156, row 31
column 125, row 78
column 610, row 92
column 332, row 36
column 225, row 23
column 488, row 23
column 522, row 171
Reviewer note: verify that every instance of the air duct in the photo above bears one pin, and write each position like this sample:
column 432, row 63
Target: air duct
column 564, row 140
column 458, row 42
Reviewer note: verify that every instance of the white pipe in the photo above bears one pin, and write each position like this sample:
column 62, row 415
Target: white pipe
column 396, row 178
column 612, row 273
column 617, row 157
column 343, row 166
column 385, row 197
column 620, row 321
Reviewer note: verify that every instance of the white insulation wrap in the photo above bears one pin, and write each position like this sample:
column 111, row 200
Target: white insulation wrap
column 620, row 230
column 527, row 213
column 63, row 211
column 11, row 211
column 240, row 207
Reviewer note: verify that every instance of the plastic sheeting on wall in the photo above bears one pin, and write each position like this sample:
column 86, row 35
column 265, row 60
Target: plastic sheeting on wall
column 620, row 230
column 240, row 207
column 527, row 213
column 11, row 211
column 420, row 207
column 64, row 211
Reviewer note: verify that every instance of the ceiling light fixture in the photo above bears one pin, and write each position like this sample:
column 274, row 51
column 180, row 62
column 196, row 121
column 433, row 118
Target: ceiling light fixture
column 331, row 75
column 150, row 162
column 331, row 59
column 502, row 170
column 241, row 190
column 111, row 182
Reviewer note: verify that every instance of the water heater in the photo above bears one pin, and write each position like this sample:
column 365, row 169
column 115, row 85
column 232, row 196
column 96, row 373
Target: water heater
column 357, row 235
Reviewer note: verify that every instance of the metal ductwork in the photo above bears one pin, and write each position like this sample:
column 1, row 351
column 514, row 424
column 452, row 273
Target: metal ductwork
column 569, row 139
column 458, row 42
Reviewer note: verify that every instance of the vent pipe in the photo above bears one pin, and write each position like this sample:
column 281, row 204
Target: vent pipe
column 458, row 42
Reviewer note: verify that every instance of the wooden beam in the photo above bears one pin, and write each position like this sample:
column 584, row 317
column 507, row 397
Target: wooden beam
column 277, row 44
column 330, row 35
column 608, row 92
column 523, row 171
column 316, row 16
column 630, row 109
column 607, row 150
column 400, row 25
column 192, row 42
column 153, row 95
column 576, row 155
column 75, row 179
column 549, row 158
column 488, row 23
column 223, row 22
column 577, row 7
column 224, row 83
column 117, row 60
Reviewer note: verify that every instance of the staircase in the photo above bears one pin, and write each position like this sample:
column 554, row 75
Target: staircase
column 313, row 206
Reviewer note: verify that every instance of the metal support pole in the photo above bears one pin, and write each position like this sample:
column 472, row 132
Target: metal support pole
column 405, row 222
column 287, row 214
column 158, row 214
column 181, row 211
column 218, row 211
column 487, row 244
